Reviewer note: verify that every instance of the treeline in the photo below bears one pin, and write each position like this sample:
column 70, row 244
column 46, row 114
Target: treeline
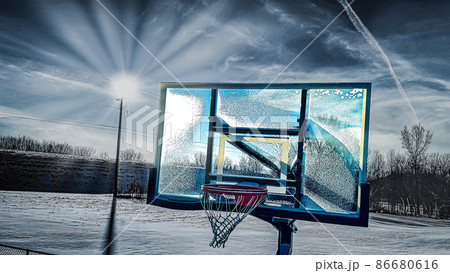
column 246, row 163
column 24, row 143
column 413, row 183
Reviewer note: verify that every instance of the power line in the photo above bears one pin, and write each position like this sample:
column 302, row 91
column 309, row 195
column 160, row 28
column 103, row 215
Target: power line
column 75, row 123
column 60, row 121
column 56, row 96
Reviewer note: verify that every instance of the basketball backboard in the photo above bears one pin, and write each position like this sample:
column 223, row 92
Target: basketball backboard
column 305, row 143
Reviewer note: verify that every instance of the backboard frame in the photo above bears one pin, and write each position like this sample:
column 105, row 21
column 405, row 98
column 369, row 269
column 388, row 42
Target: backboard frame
column 359, row 218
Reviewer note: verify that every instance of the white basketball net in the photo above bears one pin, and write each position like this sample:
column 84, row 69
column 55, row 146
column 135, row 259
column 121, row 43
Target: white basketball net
column 224, row 215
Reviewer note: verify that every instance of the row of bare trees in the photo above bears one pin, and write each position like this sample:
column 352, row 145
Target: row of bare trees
column 246, row 163
column 24, row 143
column 412, row 183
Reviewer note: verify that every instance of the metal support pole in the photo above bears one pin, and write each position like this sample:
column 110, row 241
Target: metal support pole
column 286, row 229
column 209, row 147
column 152, row 187
column 301, row 146
column 116, row 171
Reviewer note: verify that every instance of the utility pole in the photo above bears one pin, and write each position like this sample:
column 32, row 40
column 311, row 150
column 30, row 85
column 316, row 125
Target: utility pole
column 109, row 239
column 116, row 172
column 123, row 86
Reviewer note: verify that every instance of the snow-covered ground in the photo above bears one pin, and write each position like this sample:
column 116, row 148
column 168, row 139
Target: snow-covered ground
column 76, row 224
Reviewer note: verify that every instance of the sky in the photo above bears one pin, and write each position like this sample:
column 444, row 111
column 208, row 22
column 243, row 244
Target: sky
column 59, row 60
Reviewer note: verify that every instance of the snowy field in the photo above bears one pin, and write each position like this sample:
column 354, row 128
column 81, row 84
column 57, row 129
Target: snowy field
column 76, row 224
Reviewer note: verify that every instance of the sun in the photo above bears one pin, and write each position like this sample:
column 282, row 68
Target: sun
column 125, row 86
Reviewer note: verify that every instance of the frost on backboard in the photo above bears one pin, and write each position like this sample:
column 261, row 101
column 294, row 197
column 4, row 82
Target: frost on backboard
column 232, row 133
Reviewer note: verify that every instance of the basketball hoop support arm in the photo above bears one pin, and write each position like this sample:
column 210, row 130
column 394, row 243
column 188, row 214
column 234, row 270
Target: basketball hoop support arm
column 286, row 229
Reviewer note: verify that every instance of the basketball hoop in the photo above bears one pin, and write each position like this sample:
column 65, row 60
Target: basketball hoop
column 227, row 205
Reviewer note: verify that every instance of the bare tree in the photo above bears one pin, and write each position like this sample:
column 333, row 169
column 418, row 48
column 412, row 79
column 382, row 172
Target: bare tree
column 131, row 155
column 24, row 143
column 416, row 183
column 136, row 189
column 104, row 155
column 199, row 159
column 228, row 164
column 317, row 147
column 84, row 151
column 181, row 161
column 249, row 164
column 416, row 142
column 395, row 163
column 376, row 166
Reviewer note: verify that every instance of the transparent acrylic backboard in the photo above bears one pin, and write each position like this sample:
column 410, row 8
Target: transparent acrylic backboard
column 305, row 143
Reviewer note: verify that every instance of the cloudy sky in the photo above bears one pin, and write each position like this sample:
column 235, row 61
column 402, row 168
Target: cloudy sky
column 58, row 59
